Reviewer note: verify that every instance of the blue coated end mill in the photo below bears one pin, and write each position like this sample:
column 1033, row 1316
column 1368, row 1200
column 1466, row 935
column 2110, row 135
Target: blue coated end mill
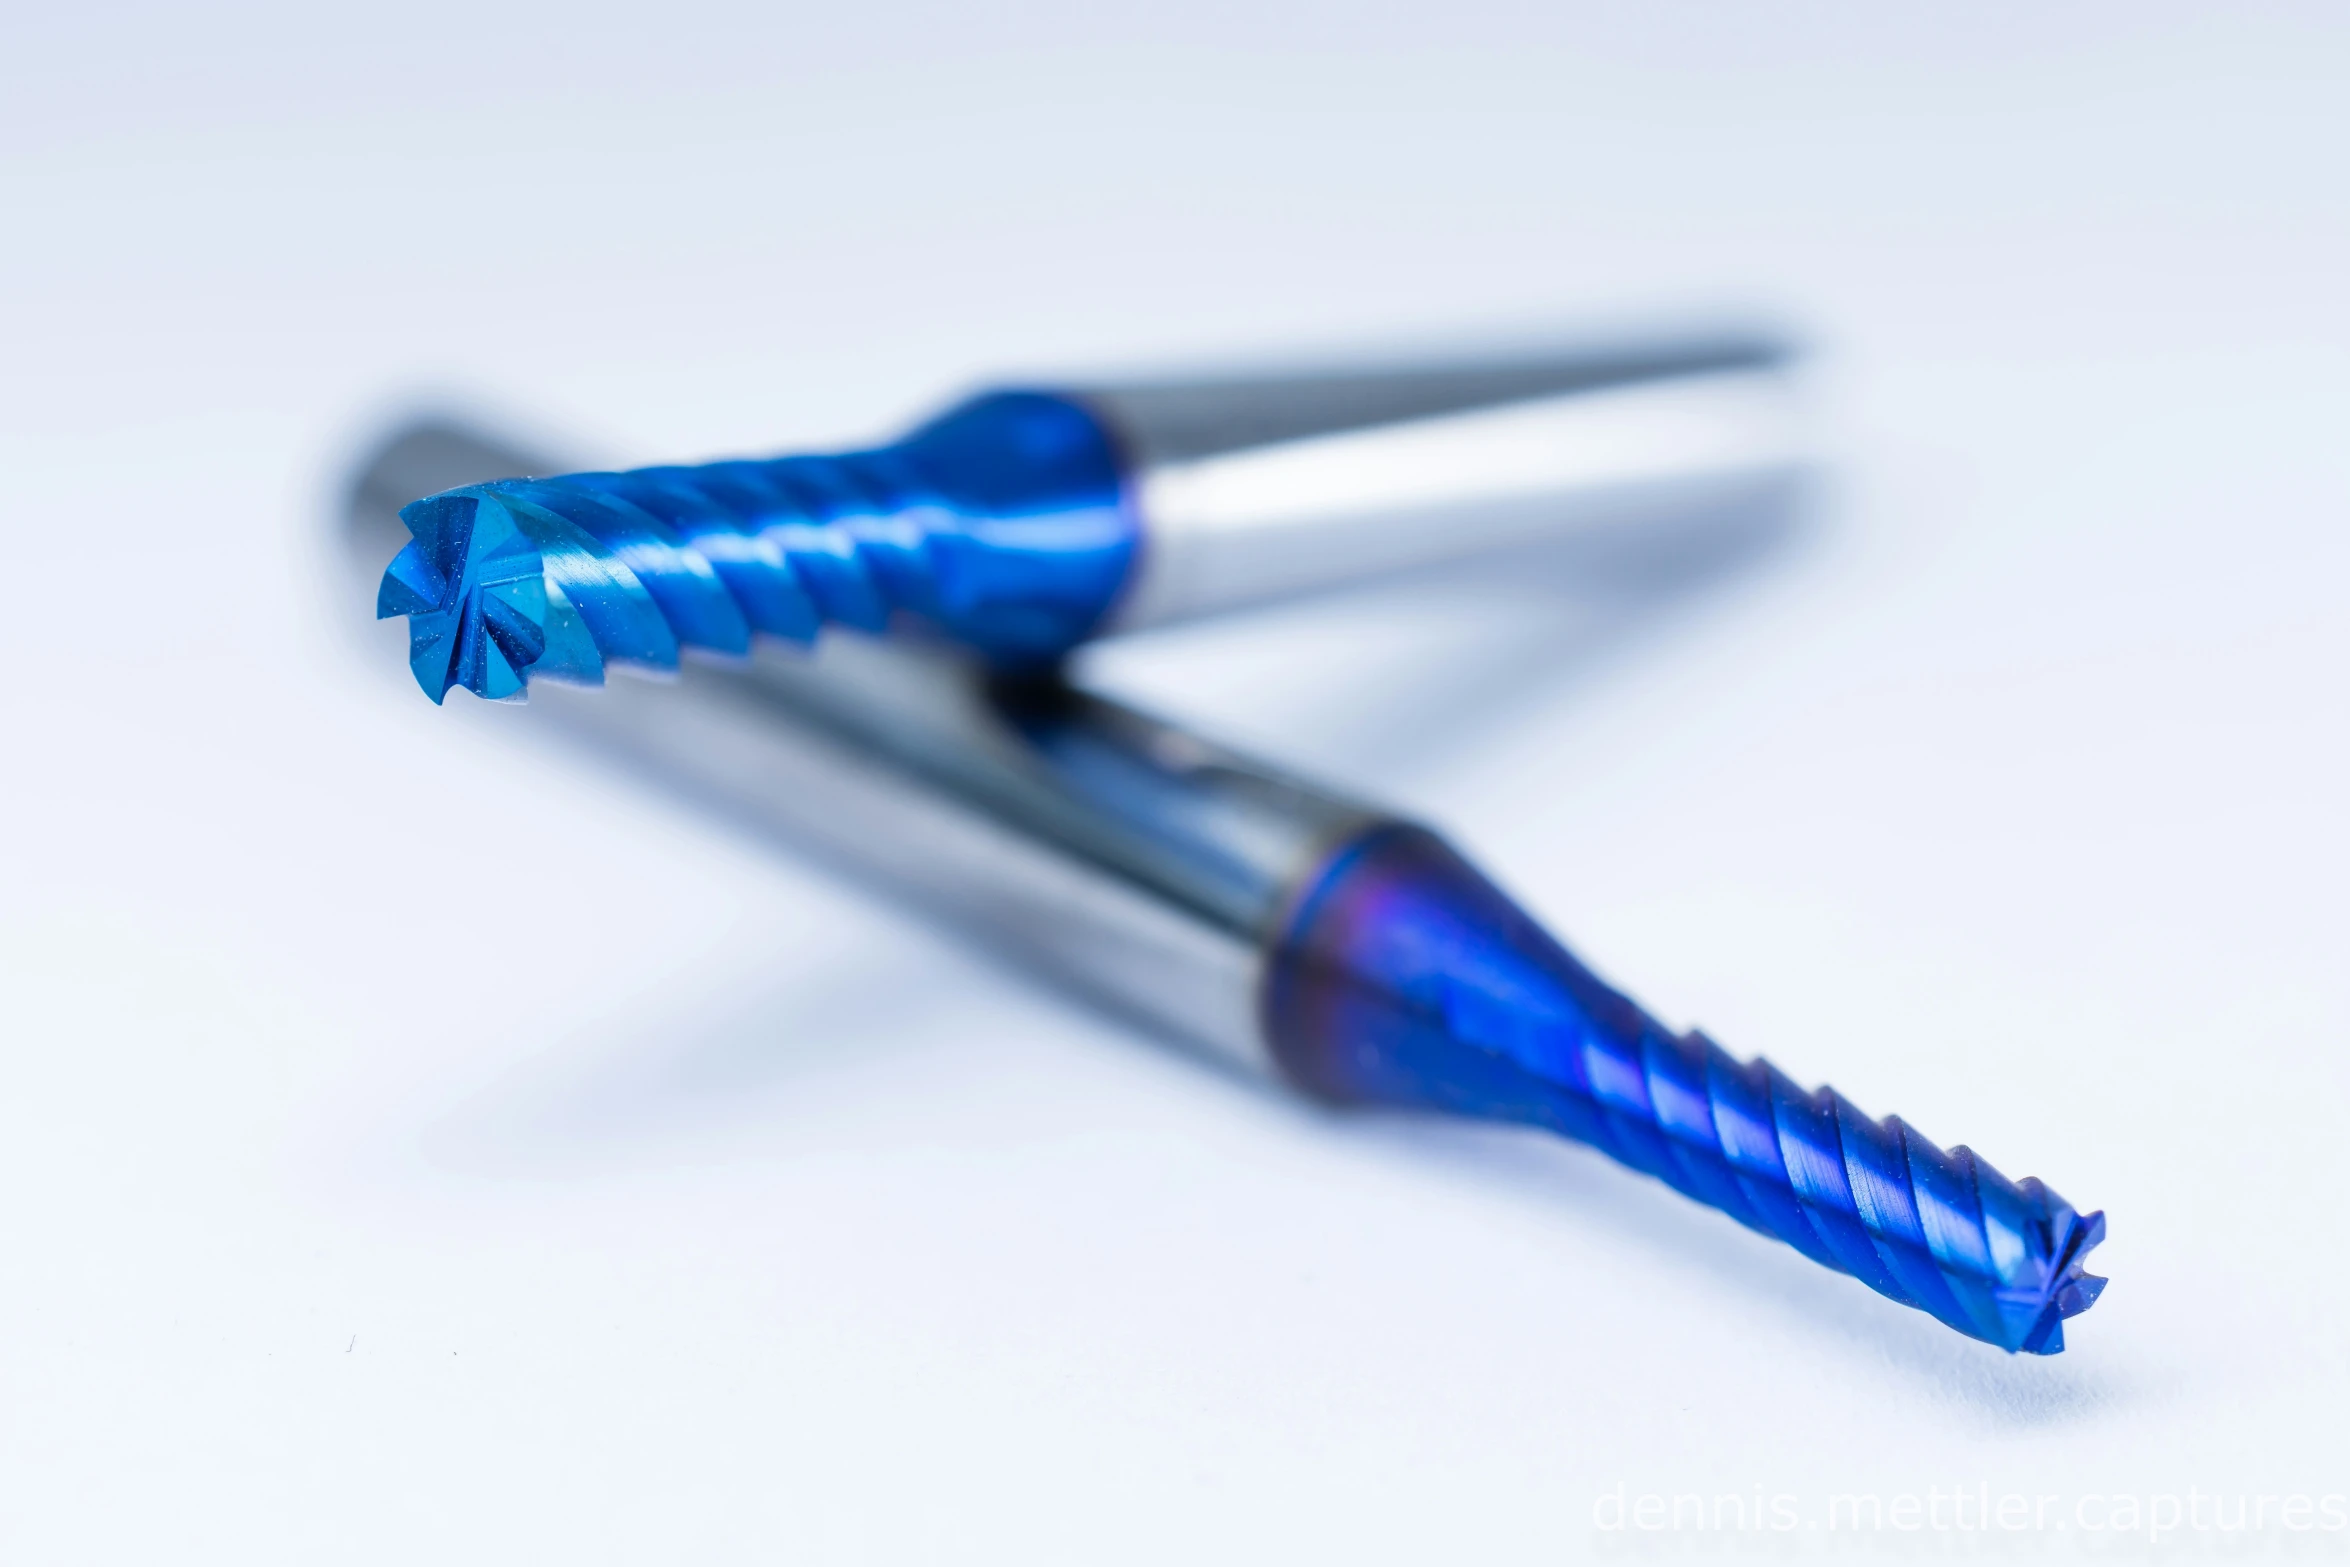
column 1404, row 977
column 1288, row 929
column 1022, row 522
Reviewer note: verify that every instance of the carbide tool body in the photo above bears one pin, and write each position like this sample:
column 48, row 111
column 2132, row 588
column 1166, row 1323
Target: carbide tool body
column 1290, row 930
column 1020, row 523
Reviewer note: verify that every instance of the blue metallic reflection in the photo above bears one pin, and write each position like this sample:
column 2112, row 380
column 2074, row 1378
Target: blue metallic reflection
column 1405, row 978
column 1002, row 524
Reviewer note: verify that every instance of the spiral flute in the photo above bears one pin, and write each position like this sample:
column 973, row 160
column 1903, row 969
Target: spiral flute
column 1407, row 978
column 1001, row 526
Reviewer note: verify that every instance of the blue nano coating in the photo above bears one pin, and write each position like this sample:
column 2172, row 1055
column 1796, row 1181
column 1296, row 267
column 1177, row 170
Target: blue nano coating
column 1404, row 978
column 1003, row 524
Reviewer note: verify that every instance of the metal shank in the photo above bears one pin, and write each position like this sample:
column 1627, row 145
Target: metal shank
column 1268, row 486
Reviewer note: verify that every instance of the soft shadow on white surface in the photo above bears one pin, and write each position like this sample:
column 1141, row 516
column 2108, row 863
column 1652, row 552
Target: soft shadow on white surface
column 1756, row 1276
column 647, row 1093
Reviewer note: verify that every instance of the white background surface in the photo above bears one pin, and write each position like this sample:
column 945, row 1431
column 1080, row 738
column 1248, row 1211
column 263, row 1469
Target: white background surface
column 413, row 1149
